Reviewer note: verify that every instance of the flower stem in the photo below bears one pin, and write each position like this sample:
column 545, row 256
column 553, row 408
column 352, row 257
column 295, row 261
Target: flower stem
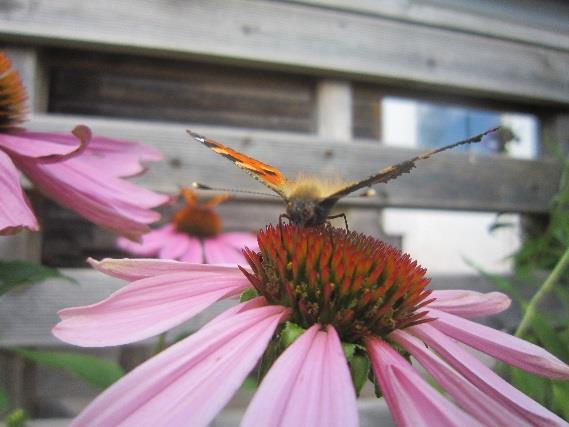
column 545, row 287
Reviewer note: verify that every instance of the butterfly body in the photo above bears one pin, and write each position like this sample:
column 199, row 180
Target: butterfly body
column 310, row 200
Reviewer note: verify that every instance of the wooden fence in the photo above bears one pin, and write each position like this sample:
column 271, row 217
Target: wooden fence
column 294, row 83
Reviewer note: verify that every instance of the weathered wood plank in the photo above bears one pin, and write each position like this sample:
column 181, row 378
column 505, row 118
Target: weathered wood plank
column 27, row 314
column 294, row 36
column 175, row 91
column 539, row 22
column 447, row 181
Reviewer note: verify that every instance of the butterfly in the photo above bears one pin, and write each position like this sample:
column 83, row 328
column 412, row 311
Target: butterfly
column 310, row 200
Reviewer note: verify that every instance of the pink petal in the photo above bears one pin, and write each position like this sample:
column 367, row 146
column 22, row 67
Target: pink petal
column 410, row 399
column 145, row 308
column 309, row 385
column 103, row 199
column 194, row 252
column 190, row 382
column 44, row 145
column 149, row 245
column 505, row 347
column 123, row 156
column 470, row 303
column 15, row 211
column 483, row 377
column 174, row 246
column 240, row 240
column 134, row 269
column 472, row 400
column 218, row 252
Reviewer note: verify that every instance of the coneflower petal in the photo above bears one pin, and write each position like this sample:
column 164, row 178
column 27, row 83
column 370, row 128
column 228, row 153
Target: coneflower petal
column 145, row 308
column 505, row 347
column 309, row 384
column 135, row 269
column 410, row 399
column 15, row 211
column 483, row 377
column 478, row 404
column 470, row 303
column 191, row 381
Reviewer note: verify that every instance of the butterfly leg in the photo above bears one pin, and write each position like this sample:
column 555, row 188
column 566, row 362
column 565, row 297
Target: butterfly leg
column 342, row 215
column 281, row 216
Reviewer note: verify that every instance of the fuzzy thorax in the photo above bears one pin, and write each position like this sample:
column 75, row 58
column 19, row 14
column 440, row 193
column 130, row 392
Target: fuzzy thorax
column 326, row 275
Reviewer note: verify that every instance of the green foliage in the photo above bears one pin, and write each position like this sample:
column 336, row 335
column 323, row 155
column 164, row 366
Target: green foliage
column 16, row 418
column 547, row 252
column 4, row 399
column 542, row 252
column 18, row 273
column 96, row 371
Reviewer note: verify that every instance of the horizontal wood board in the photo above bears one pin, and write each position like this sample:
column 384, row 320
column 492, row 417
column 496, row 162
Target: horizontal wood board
column 539, row 22
column 447, row 181
column 298, row 37
column 178, row 91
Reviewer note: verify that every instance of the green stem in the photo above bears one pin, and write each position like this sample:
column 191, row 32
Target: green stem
column 161, row 343
column 545, row 287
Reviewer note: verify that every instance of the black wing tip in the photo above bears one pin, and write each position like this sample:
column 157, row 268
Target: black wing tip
column 196, row 136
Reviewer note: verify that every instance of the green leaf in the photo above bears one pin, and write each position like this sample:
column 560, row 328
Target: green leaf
column 533, row 386
column 359, row 369
column 16, row 418
column 4, row 399
column 561, row 398
column 548, row 337
column 96, row 371
column 249, row 384
column 290, row 333
column 18, row 273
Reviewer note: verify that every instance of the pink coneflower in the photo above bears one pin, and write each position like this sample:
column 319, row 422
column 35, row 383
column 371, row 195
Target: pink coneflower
column 350, row 298
column 79, row 171
column 193, row 235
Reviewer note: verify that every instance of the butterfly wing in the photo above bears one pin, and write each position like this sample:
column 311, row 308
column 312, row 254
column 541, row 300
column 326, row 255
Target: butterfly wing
column 266, row 174
column 394, row 171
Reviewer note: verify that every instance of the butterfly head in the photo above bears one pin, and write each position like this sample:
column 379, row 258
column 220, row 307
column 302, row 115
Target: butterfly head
column 306, row 204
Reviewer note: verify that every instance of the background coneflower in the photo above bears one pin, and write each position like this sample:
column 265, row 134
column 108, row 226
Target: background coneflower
column 77, row 170
column 194, row 234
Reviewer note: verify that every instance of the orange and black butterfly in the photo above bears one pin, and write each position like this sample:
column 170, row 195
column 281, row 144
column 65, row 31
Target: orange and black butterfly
column 310, row 200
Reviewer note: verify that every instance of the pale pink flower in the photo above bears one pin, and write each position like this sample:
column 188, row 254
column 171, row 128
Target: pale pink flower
column 77, row 170
column 343, row 290
column 194, row 234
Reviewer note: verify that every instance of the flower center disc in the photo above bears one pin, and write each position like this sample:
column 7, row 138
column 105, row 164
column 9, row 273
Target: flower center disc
column 197, row 221
column 358, row 284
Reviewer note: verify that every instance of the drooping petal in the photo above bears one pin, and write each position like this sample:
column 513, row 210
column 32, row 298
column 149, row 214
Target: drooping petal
column 483, row 377
column 191, row 381
column 478, row 404
column 150, row 243
column 216, row 251
column 410, row 399
column 505, row 347
column 134, row 269
column 145, row 308
column 175, row 246
column 309, row 384
column 470, row 303
column 194, row 253
column 122, row 158
column 45, row 146
column 15, row 211
column 103, row 199
column 240, row 240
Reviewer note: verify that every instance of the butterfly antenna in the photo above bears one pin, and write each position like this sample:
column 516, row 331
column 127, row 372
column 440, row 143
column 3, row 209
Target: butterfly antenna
column 200, row 186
